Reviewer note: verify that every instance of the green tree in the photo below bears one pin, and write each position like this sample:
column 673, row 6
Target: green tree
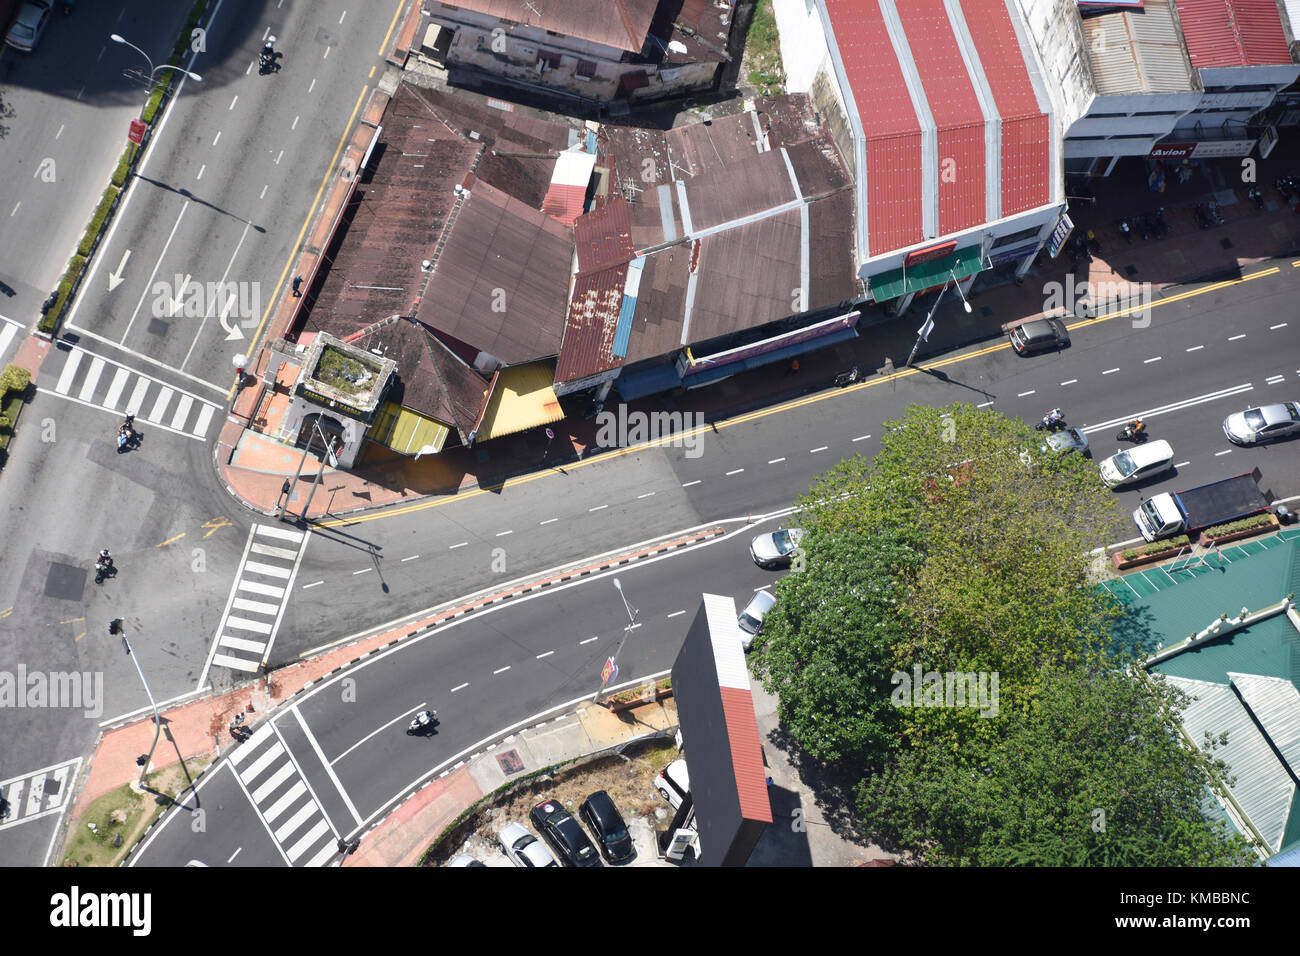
column 1093, row 775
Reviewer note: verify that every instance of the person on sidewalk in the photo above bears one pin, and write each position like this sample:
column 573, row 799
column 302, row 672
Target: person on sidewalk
column 297, row 284
column 793, row 367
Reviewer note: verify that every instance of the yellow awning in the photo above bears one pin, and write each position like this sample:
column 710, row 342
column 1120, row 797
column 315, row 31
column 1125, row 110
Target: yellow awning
column 524, row 397
column 408, row 432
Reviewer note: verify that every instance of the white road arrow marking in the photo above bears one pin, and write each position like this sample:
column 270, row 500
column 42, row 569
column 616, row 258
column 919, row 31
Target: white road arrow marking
column 232, row 332
column 115, row 278
column 180, row 296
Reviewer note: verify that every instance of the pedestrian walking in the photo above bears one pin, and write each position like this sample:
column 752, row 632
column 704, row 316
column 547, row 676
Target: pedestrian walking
column 793, row 367
column 297, row 283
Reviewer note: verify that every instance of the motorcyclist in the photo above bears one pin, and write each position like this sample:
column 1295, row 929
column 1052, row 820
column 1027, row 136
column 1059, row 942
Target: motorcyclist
column 1135, row 428
column 1054, row 417
column 105, row 559
column 426, row 717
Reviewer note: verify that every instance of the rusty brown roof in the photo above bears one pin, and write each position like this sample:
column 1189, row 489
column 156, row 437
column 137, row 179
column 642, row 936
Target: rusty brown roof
column 622, row 24
column 501, row 283
column 746, row 186
column 603, row 237
column 661, row 299
column 591, row 324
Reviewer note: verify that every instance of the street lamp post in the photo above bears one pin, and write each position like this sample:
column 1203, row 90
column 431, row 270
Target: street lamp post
column 154, row 69
column 631, row 625
column 923, row 333
column 157, row 718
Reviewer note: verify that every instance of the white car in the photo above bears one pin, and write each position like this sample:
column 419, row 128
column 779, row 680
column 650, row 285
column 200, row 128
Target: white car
column 29, row 25
column 1256, row 425
column 523, row 848
column 673, row 782
column 775, row 549
column 1137, row 464
column 751, row 618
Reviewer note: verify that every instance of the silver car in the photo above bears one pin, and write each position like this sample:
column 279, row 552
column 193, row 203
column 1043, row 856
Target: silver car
column 775, row 549
column 1265, row 423
column 28, row 25
column 1066, row 440
column 523, row 848
column 751, row 618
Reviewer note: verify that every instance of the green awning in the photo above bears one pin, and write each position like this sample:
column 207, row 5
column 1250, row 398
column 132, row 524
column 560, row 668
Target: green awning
column 897, row 282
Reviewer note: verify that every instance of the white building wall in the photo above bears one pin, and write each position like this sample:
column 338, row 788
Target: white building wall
column 804, row 52
column 1056, row 32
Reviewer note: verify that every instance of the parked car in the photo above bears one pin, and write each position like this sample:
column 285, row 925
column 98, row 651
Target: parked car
column 523, row 848
column 1264, row 423
column 28, row 25
column 1066, row 441
column 775, row 549
column 673, row 782
column 606, row 824
column 751, row 618
column 1137, row 464
column 1035, row 335
column 464, row 859
column 559, row 828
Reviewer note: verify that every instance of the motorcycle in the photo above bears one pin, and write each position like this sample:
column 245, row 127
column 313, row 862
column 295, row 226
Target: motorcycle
column 1052, row 421
column 1125, row 231
column 1158, row 218
column 1212, row 210
column 127, row 439
column 1129, row 433
column 1283, row 186
column 1142, row 228
column 1202, row 217
column 1256, row 197
column 103, row 570
column 423, row 723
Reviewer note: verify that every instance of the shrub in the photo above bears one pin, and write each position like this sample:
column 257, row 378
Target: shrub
column 15, row 379
column 1129, row 554
column 124, row 164
column 51, row 320
column 1254, row 521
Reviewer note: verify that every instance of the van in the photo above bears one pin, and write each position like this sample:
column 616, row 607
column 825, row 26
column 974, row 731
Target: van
column 1035, row 335
column 1137, row 464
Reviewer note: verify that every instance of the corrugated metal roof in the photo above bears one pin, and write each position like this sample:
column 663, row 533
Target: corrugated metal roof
column 1263, row 789
column 955, row 109
column 1233, row 33
column 603, row 237
column 408, row 432
column 1275, row 702
column 592, row 324
column 622, row 24
column 523, row 398
column 1138, row 52
column 566, row 196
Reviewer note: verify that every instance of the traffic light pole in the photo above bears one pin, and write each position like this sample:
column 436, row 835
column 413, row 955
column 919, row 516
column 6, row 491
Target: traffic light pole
column 157, row 718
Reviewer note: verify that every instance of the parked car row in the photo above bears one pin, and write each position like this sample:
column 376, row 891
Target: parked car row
column 569, row 843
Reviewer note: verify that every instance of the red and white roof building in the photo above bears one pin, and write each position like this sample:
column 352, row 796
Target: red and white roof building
column 953, row 138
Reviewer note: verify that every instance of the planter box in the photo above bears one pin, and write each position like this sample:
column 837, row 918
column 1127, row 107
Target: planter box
column 649, row 696
column 1119, row 564
column 1272, row 525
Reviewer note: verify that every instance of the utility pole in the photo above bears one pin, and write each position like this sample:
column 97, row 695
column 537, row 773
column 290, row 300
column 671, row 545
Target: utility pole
column 631, row 625
column 157, row 718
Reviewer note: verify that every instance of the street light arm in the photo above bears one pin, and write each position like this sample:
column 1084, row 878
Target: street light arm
column 120, row 39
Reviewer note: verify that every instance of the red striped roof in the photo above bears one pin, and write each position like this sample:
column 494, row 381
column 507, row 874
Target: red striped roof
column 956, row 111
column 564, row 202
column 746, row 753
column 1026, row 155
column 1233, row 33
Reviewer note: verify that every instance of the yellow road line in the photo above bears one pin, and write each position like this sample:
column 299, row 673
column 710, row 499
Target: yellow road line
column 170, row 540
column 392, row 23
column 293, row 253
column 777, row 409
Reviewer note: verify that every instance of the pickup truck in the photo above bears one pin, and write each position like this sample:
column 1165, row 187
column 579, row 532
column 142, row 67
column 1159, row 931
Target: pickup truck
column 1185, row 512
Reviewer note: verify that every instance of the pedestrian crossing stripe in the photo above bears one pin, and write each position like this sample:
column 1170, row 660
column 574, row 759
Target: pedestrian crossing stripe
column 263, row 584
column 290, row 814
column 8, row 332
column 149, row 399
column 37, row 794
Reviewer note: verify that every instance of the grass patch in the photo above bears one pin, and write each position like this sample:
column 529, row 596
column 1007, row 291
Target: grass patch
column 121, row 816
column 124, row 164
column 762, row 61
column 50, row 322
column 97, row 221
column 344, row 372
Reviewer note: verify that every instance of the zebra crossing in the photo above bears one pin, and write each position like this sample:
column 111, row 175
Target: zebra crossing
column 37, row 794
column 9, row 332
column 262, row 585
column 93, row 380
column 275, row 784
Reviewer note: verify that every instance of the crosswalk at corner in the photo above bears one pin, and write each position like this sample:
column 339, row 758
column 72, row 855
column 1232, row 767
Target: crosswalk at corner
column 37, row 794
column 89, row 379
column 274, row 783
column 263, row 583
column 9, row 333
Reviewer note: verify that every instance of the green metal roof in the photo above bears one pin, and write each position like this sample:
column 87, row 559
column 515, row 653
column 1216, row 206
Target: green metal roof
column 1270, row 647
column 925, row 275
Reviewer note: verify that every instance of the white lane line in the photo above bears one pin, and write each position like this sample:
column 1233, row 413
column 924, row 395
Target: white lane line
column 1072, row 381
column 312, row 585
column 500, row 670
column 312, row 86
column 689, row 483
column 362, row 571
column 589, row 640
column 862, row 438
column 1274, row 379
column 1109, row 371
column 294, row 124
column 201, row 169
column 14, row 211
column 597, row 508
column 455, row 546
column 458, row 687
column 1233, row 338
column 677, row 613
column 813, row 451
column 1280, row 325
column 735, row 471
column 411, row 558
column 648, row 494
column 233, row 102
column 216, row 139
column 1194, row 348
column 547, row 654
column 502, row 534
column 1180, row 464
column 1030, row 392
column 776, row 461
column 344, row 14
column 548, row 521
column 279, row 157
column 984, row 405
column 1150, row 360
column 1220, row 454
column 264, row 188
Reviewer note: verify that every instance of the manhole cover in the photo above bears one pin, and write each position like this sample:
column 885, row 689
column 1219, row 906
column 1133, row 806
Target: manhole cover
column 510, row 762
column 158, row 327
column 65, row 582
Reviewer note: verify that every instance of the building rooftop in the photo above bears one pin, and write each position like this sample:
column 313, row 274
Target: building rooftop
column 1138, row 51
column 618, row 23
column 1233, row 33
